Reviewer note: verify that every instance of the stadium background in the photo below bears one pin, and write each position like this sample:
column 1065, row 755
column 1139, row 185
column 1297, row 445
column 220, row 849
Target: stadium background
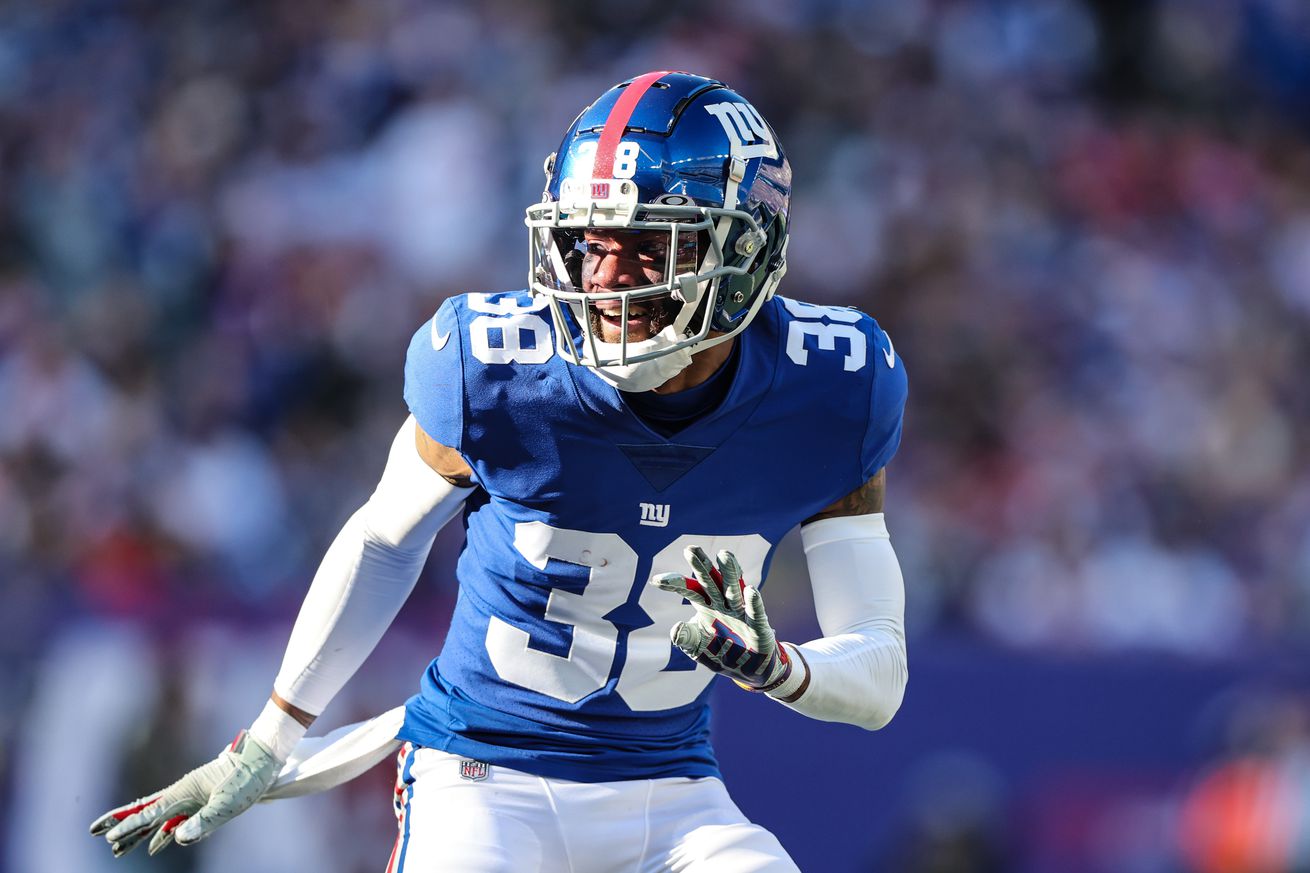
column 1087, row 226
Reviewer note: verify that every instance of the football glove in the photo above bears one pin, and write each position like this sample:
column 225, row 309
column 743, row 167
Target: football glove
column 194, row 806
column 731, row 633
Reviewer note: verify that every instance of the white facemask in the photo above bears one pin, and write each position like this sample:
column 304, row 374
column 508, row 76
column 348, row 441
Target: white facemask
column 644, row 375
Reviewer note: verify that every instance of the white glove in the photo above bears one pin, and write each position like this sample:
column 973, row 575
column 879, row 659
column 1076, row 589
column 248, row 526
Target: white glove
column 731, row 633
column 194, row 806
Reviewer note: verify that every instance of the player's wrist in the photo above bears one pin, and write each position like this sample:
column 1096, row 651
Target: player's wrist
column 797, row 680
column 277, row 730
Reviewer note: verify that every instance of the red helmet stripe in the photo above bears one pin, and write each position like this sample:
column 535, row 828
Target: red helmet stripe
column 618, row 121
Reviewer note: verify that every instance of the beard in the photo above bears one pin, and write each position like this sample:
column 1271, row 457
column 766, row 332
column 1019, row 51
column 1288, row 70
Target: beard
column 659, row 314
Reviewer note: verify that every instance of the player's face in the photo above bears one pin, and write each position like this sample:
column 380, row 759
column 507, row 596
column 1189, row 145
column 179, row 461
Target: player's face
column 617, row 259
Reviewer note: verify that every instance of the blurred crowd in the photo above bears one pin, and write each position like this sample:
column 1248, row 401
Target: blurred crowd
column 1086, row 225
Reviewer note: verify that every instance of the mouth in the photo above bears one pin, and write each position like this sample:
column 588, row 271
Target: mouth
column 612, row 315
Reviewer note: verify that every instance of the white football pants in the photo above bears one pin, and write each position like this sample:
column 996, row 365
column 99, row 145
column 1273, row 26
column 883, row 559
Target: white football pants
column 453, row 817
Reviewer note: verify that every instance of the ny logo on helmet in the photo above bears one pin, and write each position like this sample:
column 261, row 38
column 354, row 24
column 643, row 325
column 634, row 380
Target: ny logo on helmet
column 748, row 134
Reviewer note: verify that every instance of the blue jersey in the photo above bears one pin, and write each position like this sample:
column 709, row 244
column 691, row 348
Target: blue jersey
column 558, row 660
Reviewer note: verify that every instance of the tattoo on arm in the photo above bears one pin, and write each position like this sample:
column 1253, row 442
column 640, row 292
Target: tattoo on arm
column 862, row 501
column 447, row 462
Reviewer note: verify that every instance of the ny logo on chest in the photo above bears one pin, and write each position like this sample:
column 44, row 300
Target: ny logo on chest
column 655, row 514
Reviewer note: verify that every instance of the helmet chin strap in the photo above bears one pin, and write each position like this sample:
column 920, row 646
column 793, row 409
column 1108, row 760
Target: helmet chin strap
column 645, row 375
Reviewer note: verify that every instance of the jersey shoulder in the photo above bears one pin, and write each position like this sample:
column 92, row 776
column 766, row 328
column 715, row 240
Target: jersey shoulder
column 480, row 351
column 843, row 355
column 434, row 376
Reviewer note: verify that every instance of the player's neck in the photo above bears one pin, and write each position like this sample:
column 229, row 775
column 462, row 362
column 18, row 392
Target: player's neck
column 703, row 365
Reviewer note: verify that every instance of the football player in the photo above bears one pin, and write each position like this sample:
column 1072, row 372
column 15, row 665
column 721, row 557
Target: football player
column 611, row 437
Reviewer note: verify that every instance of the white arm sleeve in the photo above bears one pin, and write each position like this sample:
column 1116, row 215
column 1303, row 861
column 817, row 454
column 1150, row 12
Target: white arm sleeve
column 858, row 669
column 367, row 573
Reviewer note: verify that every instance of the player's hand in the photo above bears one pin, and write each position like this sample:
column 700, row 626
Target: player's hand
column 731, row 633
column 194, row 806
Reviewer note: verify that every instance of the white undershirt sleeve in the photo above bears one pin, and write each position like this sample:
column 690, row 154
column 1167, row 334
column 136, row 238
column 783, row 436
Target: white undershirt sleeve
column 858, row 669
column 366, row 575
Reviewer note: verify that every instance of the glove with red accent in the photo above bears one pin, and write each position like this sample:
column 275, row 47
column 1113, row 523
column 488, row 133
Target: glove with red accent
column 731, row 633
column 194, row 806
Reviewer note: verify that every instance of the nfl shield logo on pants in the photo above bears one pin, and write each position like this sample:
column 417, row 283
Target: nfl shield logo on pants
column 474, row 770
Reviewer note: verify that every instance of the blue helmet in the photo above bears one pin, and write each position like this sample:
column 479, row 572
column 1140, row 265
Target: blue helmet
column 679, row 153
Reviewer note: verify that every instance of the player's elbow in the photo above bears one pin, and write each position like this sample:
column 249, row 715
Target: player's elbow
column 885, row 706
column 856, row 678
column 888, row 692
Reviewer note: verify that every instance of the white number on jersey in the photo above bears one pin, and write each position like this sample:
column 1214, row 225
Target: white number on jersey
column 643, row 683
column 511, row 319
column 841, row 324
column 586, row 668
